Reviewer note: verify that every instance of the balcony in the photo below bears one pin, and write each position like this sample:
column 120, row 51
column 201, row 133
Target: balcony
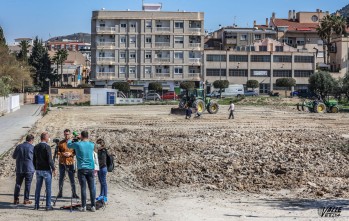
column 106, row 60
column 163, row 29
column 106, row 45
column 194, row 60
column 194, row 75
column 162, row 75
column 106, row 76
column 106, row 30
column 194, row 45
column 166, row 59
column 162, row 44
column 195, row 30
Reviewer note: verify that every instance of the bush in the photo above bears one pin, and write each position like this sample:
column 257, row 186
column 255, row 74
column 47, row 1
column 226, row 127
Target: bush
column 252, row 84
column 187, row 85
column 155, row 86
column 121, row 86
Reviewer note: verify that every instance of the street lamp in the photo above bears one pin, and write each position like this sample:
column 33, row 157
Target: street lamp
column 49, row 91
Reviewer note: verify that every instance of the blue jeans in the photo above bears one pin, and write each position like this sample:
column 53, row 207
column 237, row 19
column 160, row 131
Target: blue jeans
column 42, row 175
column 102, row 177
column 19, row 180
column 85, row 175
column 70, row 170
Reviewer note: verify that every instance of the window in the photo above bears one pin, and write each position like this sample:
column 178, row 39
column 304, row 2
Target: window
column 260, row 73
column 260, row 58
column 303, row 59
column 132, row 39
column 279, row 48
column 122, row 39
column 320, row 42
column 238, row 72
column 257, row 37
column 238, row 58
column 282, row 73
column 303, row 73
column 314, row 18
column 122, row 54
column 123, row 25
column 216, row 72
column 300, row 41
column 178, row 54
column 179, row 39
column 147, row 69
column 132, row 70
column 148, row 39
column 122, row 69
column 102, row 25
column 216, row 57
column 178, row 70
column 133, row 25
column 148, row 24
column 179, row 24
column 148, row 55
column 283, row 58
column 243, row 37
column 132, row 54
column 270, row 36
column 263, row 48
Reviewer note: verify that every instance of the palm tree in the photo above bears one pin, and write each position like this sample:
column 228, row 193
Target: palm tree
column 59, row 58
column 328, row 27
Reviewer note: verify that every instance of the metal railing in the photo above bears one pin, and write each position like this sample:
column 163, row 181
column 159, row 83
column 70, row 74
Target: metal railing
column 162, row 59
column 106, row 44
column 106, row 75
column 110, row 59
column 162, row 29
column 163, row 75
column 194, row 45
column 194, row 75
column 195, row 29
column 162, row 44
column 194, row 60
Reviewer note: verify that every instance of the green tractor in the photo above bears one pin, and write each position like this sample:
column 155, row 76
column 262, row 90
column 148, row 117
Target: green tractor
column 318, row 106
column 197, row 100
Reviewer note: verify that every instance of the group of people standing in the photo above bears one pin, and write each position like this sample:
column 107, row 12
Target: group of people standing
column 38, row 159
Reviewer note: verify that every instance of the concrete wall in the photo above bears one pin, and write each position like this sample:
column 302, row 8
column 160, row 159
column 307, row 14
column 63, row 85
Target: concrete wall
column 9, row 104
column 70, row 95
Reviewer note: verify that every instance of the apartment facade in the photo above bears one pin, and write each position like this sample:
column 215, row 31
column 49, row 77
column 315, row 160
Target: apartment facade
column 265, row 64
column 145, row 46
column 339, row 56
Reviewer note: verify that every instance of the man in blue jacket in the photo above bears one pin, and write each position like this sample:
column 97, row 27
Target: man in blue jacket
column 84, row 156
column 23, row 155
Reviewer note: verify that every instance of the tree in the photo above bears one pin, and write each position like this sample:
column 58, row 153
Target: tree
column 345, row 85
column 2, row 37
column 155, row 86
column 330, row 25
column 321, row 83
column 122, row 86
column 187, row 85
column 221, row 84
column 5, row 86
column 252, row 84
column 23, row 53
column 59, row 58
column 41, row 62
column 286, row 83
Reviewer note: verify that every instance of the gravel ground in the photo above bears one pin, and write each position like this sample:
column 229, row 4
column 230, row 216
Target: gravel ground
column 269, row 162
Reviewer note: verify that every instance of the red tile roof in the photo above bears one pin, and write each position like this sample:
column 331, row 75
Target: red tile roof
column 295, row 25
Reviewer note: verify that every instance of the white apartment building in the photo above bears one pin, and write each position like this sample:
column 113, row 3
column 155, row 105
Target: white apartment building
column 145, row 46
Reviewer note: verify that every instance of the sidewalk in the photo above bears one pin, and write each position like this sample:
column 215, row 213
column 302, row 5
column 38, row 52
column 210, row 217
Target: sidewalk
column 14, row 125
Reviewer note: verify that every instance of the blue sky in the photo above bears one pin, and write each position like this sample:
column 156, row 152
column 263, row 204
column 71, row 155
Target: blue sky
column 29, row 18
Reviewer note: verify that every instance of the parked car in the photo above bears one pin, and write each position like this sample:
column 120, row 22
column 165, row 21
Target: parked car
column 234, row 90
column 251, row 93
column 171, row 95
column 152, row 97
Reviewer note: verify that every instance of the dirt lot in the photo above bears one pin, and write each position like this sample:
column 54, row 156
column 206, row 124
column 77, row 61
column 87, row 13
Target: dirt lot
column 268, row 163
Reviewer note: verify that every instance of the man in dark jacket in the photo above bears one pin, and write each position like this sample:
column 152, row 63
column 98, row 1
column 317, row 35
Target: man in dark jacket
column 43, row 164
column 23, row 155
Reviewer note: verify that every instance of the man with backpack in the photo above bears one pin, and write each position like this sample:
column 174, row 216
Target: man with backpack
column 84, row 150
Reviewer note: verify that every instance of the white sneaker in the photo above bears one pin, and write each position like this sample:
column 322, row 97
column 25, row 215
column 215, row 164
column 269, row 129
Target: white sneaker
column 82, row 209
column 93, row 209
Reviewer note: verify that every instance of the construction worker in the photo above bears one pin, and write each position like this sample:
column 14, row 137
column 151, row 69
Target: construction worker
column 231, row 109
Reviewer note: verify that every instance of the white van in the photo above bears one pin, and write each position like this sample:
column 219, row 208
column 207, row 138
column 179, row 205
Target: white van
column 234, row 90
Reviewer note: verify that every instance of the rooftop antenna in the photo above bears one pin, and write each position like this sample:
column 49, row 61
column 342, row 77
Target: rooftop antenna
column 234, row 21
column 142, row 5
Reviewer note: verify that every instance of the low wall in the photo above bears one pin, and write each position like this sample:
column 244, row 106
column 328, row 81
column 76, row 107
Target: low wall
column 70, row 95
column 119, row 100
column 9, row 104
